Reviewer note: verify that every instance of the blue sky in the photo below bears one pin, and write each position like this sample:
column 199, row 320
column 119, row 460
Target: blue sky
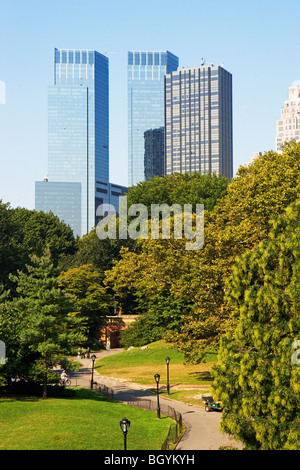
column 257, row 41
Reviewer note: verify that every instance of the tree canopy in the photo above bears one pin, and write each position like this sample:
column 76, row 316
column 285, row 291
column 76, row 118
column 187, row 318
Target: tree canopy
column 256, row 378
column 164, row 273
column 40, row 324
column 92, row 301
column 24, row 233
column 179, row 188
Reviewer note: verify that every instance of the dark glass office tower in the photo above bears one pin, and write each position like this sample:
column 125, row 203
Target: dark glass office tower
column 154, row 152
column 146, row 72
column 78, row 139
column 198, row 121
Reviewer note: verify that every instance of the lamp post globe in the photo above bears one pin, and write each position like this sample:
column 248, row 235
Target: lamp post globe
column 157, row 378
column 124, row 424
column 168, row 382
column 93, row 357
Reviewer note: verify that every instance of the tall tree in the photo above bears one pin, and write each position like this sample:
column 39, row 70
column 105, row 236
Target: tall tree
column 39, row 230
column 93, row 301
column 237, row 223
column 196, row 278
column 10, row 251
column 24, row 233
column 45, row 323
column 256, row 377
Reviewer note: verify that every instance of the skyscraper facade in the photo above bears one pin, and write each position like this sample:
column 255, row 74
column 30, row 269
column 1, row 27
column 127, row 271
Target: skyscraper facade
column 288, row 126
column 146, row 72
column 154, row 152
column 198, row 121
column 78, row 139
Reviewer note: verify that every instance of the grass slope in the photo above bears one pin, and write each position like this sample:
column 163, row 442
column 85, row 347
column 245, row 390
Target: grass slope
column 139, row 366
column 86, row 421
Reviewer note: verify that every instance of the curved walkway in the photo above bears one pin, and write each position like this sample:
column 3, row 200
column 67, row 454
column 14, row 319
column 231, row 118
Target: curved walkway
column 202, row 432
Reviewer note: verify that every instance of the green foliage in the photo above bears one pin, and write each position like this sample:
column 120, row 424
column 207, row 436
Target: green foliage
column 181, row 292
column 144, row 277
column 9, row 249
column 238, row 222
column 140, row 333
column 255, row 376
column 179, row 188
column 24, row 233
column 38, row 231
column 101, row 254
column 93, row 301
column 39, row 325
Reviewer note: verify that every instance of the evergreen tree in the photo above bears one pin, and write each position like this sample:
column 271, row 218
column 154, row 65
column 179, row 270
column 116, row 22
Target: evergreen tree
column 45, row 325
column 257, row 376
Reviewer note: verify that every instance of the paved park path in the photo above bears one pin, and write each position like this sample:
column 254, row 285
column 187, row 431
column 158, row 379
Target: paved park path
column 202, row 432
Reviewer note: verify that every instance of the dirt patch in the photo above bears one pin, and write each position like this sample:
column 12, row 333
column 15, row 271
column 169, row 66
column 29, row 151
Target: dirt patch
column 189, row 387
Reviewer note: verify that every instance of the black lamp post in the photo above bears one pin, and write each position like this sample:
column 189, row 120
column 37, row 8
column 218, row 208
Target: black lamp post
column 168, row 384
column 157, row 377
column 92, row 379
column 125, row 426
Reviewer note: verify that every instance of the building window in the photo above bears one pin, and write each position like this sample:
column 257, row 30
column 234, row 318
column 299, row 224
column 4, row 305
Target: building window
column 57, row 56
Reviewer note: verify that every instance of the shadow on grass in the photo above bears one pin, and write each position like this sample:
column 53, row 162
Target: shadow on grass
column 53, row 391
column 204, row 376
column 86, row 394
column 13, row 398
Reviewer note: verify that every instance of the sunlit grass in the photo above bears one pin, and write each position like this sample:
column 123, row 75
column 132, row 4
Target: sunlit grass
column 139, row 366
column 88, row 421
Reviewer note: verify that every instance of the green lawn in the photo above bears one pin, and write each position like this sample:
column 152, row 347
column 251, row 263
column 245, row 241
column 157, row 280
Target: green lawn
column 140, row 366
column 87, row 421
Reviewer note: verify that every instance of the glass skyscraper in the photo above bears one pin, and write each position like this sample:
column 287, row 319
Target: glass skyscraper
column 78, row 139
column 146, row 72
column 198, row 121
column 154, row 153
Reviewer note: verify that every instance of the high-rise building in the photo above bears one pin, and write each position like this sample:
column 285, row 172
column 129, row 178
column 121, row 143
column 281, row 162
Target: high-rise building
column 78, row 140
column 288, row 126
column 198, row 121
column 154, row 152
column 146, row 72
